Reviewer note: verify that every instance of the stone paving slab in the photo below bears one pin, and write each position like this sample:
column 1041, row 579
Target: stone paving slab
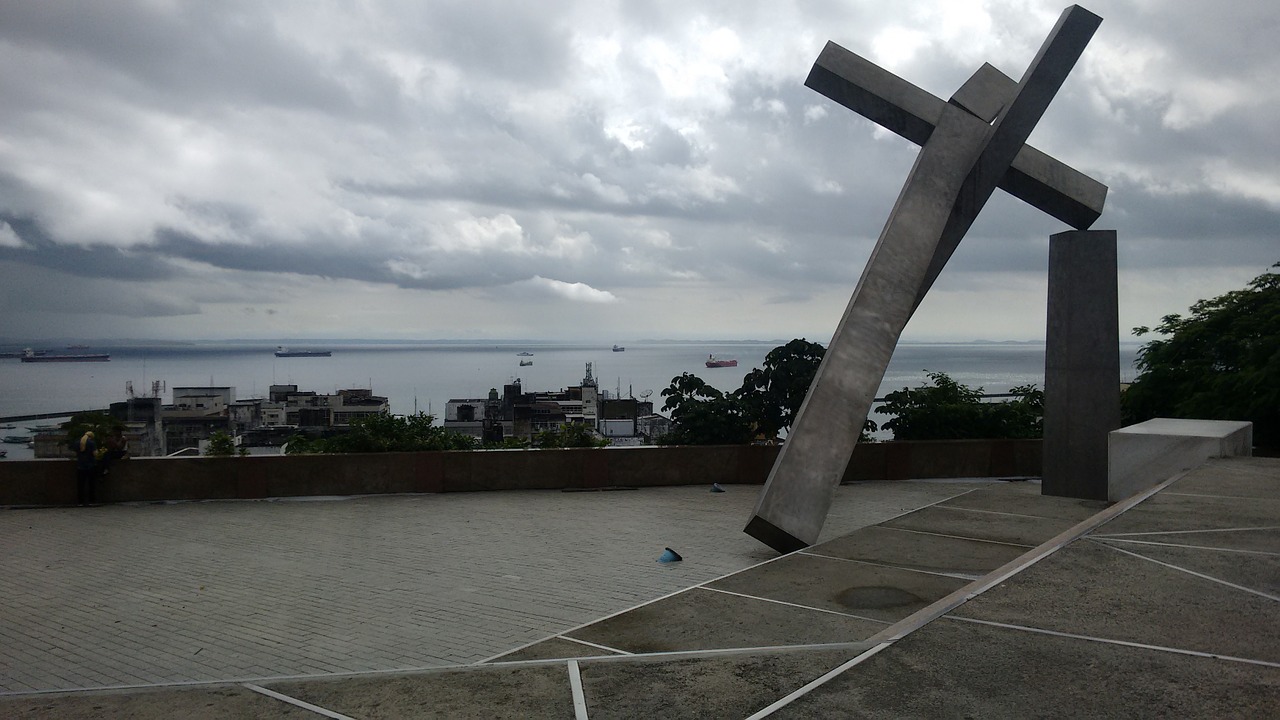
column 1255, row 571
column 1265, row 541
column 951, row 669
column 701, row 619
column 695, row 688
column 982, row 525
column 539, row 691
column 919, row 551
column 1090, row 589
column 1238, row 477
column 1166, row 512
column 870, row 591
column 1024, row 498
column 202, row 703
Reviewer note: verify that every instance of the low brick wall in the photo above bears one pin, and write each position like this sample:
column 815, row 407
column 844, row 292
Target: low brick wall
column 52, row 482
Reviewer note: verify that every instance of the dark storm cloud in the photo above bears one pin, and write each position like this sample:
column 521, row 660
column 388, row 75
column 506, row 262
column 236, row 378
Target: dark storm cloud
column 103, row 261
column 642, row 146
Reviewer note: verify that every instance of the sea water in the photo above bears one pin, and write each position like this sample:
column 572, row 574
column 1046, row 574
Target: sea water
column 423, row 377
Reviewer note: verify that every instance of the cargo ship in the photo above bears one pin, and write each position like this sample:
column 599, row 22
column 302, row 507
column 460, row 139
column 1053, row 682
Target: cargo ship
column 282, row 351
column 712, row 362
column 33, row 356
column 619, row 348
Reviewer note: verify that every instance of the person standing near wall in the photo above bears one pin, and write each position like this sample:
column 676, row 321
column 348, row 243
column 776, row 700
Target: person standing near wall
column 86, row 468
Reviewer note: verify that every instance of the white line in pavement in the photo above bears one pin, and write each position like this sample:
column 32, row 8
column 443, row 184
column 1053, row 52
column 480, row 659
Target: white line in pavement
column 804, row 690
column 1210, row 578
column 594, row 645
column 795, row 605
column 1185, row 532
column 1210, row 548
column 575, row 685
column 995, row 512
column 959, row 537
column 1109, row 641
column 299, row 703
column 970, row 577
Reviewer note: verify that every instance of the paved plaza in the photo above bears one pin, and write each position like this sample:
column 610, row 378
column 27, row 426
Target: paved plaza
column 922, row 599
column 128, row 595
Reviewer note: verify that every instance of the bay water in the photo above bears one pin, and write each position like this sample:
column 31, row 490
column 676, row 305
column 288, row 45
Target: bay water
column 422, row 377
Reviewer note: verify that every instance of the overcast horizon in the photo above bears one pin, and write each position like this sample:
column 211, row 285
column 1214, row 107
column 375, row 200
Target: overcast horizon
column 586, row 171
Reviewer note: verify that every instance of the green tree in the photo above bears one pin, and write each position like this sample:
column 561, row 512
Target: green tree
column 100, row 423
column 765, row 405
column 772, row 395
column 572, row 435
column 220, row 445
column 948, row 410
column 703, row 415
column 1220, row 362
column 387, row 433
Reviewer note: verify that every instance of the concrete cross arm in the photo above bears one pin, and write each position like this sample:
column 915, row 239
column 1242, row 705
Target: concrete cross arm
column 877, row 94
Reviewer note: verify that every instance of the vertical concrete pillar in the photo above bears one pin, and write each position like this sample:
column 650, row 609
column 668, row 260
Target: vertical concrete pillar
column 1081, row 364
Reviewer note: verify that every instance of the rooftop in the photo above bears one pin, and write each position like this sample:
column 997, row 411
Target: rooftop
column 945, row 598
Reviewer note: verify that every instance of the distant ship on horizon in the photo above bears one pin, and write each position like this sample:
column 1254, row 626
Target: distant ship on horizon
column 32, row 356
column 282, row 351
column 619, row 348
column 712, row 362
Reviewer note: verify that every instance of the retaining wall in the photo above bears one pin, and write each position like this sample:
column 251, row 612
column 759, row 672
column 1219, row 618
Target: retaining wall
column 52, row 482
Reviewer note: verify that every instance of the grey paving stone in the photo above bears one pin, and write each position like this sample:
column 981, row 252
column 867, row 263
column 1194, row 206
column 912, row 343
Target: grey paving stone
column 1238, row 477
column 1171, row 512
column 1024, row 498
column 1256, row 572
column 1251, row 540
column 982, row 525
column 1089, row 589
column 703, row 619
column 710, row 687
column 213, row 703
column 951, row 669
column 872, row 591
column 904, row 548
column 539, row 691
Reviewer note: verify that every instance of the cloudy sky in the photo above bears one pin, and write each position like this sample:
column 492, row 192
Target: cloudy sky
column 595, row 169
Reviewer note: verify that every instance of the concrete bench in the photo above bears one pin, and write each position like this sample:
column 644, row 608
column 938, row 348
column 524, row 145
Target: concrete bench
column 1143, row 455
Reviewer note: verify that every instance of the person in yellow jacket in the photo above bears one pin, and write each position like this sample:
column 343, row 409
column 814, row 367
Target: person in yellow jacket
column 86, row 468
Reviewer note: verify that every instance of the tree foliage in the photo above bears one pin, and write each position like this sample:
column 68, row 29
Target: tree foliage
column 765, row 405
column 948, row 410
column 1220, row 362
column 387, row 433
column 572, row 435
column 100, row 423
column 220, row 445
column 702, row 415
column 772, row 395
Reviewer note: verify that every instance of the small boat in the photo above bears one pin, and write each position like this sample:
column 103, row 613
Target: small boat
column 525, row 363
column 16, row 439
column 712, row 362
column 282, row 351
column 525, row 354
column 619, row 348
column 4, row 453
